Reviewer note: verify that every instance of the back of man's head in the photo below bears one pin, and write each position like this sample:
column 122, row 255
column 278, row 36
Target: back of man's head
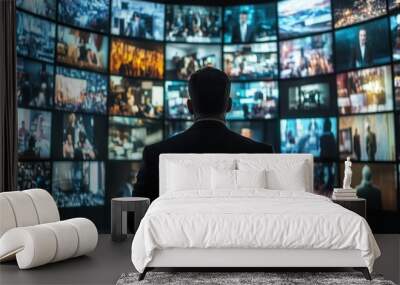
column 209, row 90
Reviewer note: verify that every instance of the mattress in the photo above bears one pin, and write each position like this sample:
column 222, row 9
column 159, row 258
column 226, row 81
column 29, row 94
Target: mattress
column 250, row 219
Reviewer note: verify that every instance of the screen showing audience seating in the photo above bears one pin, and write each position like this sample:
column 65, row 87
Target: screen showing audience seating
column 98, row 81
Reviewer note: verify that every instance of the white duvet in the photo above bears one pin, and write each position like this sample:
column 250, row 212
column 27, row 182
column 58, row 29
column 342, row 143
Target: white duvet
column 250, row 219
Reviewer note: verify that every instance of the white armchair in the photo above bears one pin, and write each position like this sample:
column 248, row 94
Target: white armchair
column 31, row 231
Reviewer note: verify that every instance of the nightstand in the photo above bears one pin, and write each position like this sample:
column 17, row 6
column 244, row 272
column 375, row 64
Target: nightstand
column 357, row 205
column 119, row 209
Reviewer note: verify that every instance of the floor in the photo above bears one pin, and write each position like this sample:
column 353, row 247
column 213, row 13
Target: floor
column 104, row 266
column 110, row 260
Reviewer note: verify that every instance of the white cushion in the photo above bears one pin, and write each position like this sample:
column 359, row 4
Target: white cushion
column 281, row 163
column 40, row 244
column 188, row 174
column 45, row 205
column 192, row 177
column 280, row 174
column 30, row 230
column 23, row 208
column 223, row 179
column 251, row 178
column 7, row 218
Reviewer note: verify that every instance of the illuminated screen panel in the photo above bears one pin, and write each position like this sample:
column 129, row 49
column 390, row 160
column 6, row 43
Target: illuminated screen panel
column 308, row 97
column 251, row 61
column 254, row 100
column 184, row 59
column 34, row 134
column 298, row 18
column 250, row 23
column 375, row 182
column 33, row 175
column 199, row 24
column 325, row 178
column 137, row 59
column 82, row 49
column 317, row 136
column 31, row 40
column 367, row 137
column 138, row 19
column 307, row 56
column 396, row 78
column 79, row 136
column 121, row 178
column 80, row 90
column 176, row 95
column 78, row 184
column 89, row 14
column 347, row 12
column 45, row 8
column 128, row 136
column 35, row 83
column 363, row 48
column 139, row 98
column 365, row 91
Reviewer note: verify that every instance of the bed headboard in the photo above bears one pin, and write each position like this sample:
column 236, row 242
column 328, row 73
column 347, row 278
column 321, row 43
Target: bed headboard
column 283, row 160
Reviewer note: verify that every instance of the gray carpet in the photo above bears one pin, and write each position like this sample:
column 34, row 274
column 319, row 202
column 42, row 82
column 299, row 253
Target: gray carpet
column 243, row 278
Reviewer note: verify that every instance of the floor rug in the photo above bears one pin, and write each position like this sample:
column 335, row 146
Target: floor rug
column 244, row 278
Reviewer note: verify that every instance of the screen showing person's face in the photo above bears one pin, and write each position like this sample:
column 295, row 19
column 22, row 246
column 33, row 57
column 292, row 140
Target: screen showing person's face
column 362, row 35
column 243, row 18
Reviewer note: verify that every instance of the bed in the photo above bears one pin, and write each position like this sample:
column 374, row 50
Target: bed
column 246, row 211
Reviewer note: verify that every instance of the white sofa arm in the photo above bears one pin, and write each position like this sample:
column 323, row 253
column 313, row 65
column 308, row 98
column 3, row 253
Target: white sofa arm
column 40, row 244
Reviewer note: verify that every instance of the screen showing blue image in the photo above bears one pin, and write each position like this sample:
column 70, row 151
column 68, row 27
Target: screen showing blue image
column 363, row 46
column 250, row 23
column 254, row 100
column 90, row 14
column 193, row 24
column 317, row 136
column 35, row 83
column 34, row 134
column 395, row 33
column 78, row 184
column 45, row 8
column 138, row 19
column 301, row 17
column 35, row 37
column 176, row 95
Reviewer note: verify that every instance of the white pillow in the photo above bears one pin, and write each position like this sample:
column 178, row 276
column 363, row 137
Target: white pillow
column 295, row 178
column 251, row 178
column 223, row 179
column 226, row 179
column 193, row 174
column 281, row 174
column 184, row 178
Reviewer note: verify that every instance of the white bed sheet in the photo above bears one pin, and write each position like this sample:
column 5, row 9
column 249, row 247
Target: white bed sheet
column 251, row 218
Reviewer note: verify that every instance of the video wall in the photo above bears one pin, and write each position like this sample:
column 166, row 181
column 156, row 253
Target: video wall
column 98, row 80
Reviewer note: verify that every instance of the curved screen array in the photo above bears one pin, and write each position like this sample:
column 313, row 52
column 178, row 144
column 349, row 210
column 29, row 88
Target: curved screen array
column 100, row 80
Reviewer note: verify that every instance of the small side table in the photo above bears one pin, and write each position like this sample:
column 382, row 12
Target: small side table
column 357, row 205
column 119, row 209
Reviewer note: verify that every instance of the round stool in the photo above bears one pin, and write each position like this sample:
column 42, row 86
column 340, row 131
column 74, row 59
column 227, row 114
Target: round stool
column 119, row 209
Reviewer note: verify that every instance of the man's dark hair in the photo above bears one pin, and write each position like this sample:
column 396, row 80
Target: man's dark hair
column 209, row 90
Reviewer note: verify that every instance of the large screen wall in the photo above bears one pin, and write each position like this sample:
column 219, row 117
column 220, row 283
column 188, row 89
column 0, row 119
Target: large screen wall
column 98, row 80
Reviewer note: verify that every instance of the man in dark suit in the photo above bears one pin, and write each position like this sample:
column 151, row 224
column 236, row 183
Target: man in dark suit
column 209, row 101
column 362, row 52
column 242, row 32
